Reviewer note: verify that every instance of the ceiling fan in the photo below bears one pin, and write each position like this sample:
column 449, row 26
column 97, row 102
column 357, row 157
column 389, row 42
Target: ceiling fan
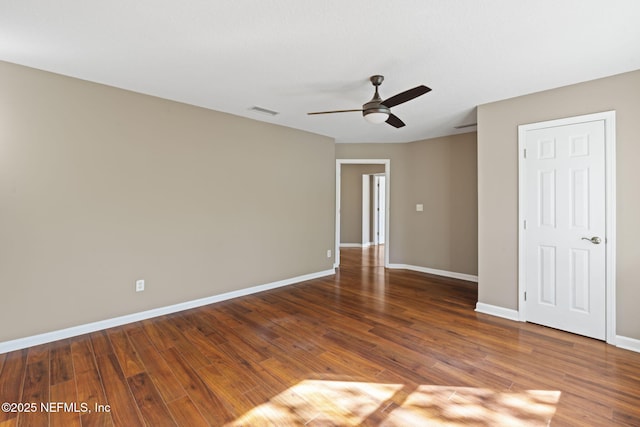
column 378, row 110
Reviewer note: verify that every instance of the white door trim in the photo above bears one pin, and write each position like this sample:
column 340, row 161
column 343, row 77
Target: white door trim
column 387, row 174
column 609, row 118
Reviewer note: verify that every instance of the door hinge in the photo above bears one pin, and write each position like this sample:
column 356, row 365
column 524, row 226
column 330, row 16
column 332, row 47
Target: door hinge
column 525, row 295
column 525, row 224
column 525, row 153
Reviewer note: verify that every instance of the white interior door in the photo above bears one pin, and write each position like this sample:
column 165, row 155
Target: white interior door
column 380, row 212
column 366, row 210
column 565, row 227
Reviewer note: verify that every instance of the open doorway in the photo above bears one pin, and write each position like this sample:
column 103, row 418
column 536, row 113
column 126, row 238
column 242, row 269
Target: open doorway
column 374, row 236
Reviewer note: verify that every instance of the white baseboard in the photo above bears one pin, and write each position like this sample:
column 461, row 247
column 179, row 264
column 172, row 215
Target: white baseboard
column 356, row 245
column 444, row 273
column 628, row 343
column 25, row 342
column 494, row 310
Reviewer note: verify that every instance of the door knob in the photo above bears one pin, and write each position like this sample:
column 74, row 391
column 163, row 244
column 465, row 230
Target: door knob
column 595, row 240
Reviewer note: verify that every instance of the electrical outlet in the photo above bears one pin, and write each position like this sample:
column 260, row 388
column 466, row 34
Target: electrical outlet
column 139, row 285
column 329, row 253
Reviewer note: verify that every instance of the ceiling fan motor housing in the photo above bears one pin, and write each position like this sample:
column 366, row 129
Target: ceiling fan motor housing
column 374, row 107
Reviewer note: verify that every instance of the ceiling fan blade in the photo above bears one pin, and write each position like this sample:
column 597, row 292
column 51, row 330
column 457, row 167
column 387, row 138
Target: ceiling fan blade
column 394, row 121
column 405, row 96
column 334, row 111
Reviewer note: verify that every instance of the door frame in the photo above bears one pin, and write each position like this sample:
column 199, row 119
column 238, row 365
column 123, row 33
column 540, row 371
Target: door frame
column 387, row 174
column 609, row 118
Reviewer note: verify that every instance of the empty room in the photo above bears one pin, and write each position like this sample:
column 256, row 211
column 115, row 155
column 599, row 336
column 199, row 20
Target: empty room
column 269, row 213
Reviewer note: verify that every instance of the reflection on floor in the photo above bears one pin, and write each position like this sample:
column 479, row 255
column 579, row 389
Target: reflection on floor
column 372, row 256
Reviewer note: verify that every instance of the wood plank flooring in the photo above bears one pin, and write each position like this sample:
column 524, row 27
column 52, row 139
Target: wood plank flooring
column 367, row 347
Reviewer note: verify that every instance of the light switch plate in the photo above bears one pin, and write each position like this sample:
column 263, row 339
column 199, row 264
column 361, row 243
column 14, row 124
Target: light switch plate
column 419, row 207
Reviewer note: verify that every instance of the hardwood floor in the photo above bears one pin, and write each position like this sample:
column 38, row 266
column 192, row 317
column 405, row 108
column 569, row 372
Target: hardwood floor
column 367, row 347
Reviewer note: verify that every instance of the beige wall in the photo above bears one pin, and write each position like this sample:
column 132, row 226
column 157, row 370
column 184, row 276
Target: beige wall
column 498, row 185
column 439, row 173
column 100, row 187
column 351, row 201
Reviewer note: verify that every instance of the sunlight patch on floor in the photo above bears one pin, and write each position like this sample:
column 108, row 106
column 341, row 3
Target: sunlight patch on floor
column 457, row 406
column 349, row 403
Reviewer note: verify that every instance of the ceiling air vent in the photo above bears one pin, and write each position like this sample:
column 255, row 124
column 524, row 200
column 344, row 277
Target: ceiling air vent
column 264, row 111
column 466, row 126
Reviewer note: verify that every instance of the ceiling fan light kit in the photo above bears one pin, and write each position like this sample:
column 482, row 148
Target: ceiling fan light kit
column 378, row 110
column 375, row 116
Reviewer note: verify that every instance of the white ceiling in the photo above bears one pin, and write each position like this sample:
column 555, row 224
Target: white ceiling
column 296, row 56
